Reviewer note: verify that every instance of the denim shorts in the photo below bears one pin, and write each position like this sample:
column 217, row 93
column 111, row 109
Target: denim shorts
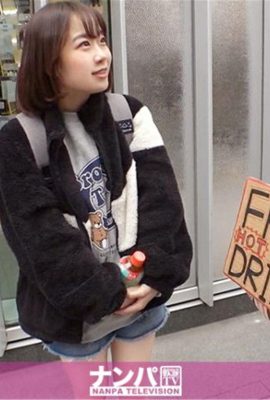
column 149, row 321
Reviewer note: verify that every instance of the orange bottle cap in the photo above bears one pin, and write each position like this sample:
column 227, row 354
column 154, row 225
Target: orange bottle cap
column 137, row 259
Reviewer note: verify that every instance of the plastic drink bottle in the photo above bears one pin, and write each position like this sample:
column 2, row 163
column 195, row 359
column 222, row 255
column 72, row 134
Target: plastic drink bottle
column 132, row 268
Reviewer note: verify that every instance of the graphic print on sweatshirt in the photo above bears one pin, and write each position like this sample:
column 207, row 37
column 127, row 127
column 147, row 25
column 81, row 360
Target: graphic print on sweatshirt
column 93, row 183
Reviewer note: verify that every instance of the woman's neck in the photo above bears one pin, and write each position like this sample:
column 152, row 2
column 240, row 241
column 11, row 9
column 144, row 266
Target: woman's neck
column 72, row 103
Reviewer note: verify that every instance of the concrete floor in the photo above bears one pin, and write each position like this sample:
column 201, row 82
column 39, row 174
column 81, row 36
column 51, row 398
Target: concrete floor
column 241, row 338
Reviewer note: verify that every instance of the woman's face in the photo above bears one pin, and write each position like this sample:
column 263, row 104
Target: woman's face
column 84, row 63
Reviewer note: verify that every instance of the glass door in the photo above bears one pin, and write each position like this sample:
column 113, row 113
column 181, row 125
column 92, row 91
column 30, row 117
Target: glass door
column 8, row 280
column 238, row 51
column 13, row 15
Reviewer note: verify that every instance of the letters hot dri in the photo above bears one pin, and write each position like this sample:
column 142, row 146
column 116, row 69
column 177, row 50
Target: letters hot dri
column 248, row 258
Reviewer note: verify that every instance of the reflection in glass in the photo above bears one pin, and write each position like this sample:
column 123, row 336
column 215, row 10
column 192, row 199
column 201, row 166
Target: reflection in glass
column 232, row 102
column 155, row 53
column 12, row 18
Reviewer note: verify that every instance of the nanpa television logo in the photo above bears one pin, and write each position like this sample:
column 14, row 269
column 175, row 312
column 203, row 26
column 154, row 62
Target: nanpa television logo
column 153, row 381
column 171, row 376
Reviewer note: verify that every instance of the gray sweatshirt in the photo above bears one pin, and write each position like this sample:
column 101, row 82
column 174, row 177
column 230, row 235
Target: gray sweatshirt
column 88, row 169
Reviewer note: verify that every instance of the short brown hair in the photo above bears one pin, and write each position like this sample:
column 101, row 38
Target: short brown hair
column 44, row 37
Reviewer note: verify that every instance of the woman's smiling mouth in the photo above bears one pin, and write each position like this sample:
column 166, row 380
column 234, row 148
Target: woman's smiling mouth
column 102, row 73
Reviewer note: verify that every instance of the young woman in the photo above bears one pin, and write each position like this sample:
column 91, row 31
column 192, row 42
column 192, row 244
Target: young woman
column 98, row 199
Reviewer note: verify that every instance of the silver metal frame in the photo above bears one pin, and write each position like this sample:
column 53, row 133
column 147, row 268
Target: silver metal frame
column 203, row 145
column 255, row 82
column 188, row 134
column 119, row 46
column 3, row 335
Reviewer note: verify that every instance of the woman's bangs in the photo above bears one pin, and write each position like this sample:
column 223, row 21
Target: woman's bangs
column 93, row 24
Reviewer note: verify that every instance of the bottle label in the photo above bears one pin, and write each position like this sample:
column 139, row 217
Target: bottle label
column 130, row 278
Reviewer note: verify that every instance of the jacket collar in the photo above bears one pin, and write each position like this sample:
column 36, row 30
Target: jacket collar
column 90, row 114
column 67, row 186
column 116, row 158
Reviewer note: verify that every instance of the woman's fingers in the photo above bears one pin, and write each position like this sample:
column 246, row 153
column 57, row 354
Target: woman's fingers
column 137, row 305
column 262, row 308
column 137, row 298
column 140, row 291
column 126, row 302
column 132, row 309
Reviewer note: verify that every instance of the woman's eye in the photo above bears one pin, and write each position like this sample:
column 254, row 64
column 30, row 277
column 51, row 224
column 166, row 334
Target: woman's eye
column 85, row 43
column 103, row 40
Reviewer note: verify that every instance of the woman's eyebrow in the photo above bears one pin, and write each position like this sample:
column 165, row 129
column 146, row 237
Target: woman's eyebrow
column 81, row 35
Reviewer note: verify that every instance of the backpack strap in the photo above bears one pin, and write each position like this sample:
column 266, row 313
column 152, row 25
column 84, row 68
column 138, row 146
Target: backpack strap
column 121, row 114
column 36, row 133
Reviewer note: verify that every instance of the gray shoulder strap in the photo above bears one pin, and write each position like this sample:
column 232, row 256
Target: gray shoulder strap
column 121, row 113
column 36, row 134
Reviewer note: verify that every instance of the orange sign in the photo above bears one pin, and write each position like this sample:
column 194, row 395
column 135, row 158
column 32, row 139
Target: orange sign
column 248, row 258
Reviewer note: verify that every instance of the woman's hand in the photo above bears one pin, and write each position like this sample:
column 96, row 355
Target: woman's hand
column 260, row 306
column 137, row 298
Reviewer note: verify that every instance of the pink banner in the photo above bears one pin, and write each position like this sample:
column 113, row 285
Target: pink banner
column 129, row 380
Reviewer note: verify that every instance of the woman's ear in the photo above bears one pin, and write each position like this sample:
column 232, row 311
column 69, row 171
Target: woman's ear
column 58, row 78
column 58, row 72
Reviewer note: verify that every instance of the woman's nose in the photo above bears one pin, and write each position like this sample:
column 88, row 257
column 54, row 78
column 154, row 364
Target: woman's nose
column 100, row 54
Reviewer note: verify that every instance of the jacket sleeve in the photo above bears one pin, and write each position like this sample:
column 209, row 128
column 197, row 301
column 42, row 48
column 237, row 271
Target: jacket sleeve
column 53, row 255
column 162, row 231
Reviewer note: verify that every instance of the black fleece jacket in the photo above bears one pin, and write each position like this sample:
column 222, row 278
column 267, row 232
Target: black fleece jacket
column 61, row 284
